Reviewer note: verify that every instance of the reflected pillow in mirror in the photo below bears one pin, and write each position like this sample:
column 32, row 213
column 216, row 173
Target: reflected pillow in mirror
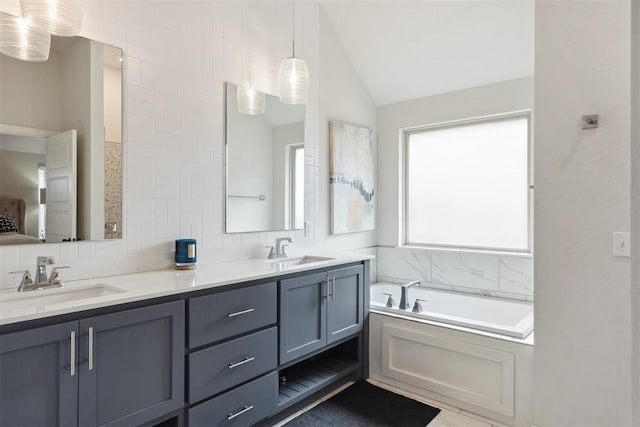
column 7, row 224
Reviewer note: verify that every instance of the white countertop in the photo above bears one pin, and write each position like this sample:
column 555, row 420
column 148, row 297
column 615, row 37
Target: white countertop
column 154, row 284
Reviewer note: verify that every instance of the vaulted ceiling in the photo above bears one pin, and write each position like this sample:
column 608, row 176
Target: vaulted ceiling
column 410, row 49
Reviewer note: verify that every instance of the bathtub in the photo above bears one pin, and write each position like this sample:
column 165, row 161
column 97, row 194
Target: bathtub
column 498, row 316
column 462, row 350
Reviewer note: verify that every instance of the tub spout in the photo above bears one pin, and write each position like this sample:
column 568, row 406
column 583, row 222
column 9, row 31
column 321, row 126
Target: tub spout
column 404, row 298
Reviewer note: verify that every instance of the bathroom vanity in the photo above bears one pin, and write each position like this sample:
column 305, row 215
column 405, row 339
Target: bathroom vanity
column 227, row 344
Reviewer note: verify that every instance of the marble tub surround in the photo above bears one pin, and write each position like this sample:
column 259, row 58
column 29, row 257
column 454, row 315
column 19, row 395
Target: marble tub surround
column 505, row 276
column 155, row 284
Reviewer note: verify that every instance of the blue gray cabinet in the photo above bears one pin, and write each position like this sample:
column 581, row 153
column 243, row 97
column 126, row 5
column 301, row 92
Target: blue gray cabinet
column 131, row 365
column 233, row 339
column 319, row 309
column 123, row 368
column 39, row 377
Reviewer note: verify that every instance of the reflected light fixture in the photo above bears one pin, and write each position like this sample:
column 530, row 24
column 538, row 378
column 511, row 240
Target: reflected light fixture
column 293, row 77
column 250, row 101
column 59, row 17
column 21, row 40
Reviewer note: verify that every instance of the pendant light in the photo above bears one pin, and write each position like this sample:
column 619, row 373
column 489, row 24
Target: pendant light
column 59, row 17
column 250, row 101
column 293, row 76
column 21, row 40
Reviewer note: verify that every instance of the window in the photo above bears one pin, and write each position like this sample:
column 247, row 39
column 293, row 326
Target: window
column 296, row 186
column 467, row 184
column 42, row 205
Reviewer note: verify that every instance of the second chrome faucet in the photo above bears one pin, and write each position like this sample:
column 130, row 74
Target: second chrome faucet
column 280, row 249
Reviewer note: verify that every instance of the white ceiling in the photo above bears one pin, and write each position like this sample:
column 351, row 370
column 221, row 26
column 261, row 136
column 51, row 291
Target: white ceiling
column 410, row 49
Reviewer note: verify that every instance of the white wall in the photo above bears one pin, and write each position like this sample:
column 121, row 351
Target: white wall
column 174, row 124
column 112, row 104
column 19, row 179
column 343, row 97
column 635, row 211
column 582, row 311
column 30, row 92
column 76, row 107
column 500, row 275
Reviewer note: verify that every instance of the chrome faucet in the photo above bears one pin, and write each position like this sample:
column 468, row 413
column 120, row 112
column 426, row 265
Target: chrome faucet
column 279, row 250
column 404, row 298
column 41, row 281
column 41, row 269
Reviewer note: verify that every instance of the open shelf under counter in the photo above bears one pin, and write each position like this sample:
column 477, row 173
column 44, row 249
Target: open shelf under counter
column 309, row 376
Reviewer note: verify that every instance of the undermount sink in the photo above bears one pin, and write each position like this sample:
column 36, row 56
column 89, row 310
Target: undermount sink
column 40, row 299
column 300, row 260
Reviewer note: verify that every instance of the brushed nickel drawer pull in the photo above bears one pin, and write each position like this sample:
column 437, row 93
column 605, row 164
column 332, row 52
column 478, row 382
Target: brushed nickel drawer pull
column 242, row 362
column 73, row 353
column 91, row 348
column 246, row 408
column 239, row 313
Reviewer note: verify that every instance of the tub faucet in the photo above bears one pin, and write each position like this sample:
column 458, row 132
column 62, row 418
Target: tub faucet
column 417, row 307
column 404, row 298
column 390, row 301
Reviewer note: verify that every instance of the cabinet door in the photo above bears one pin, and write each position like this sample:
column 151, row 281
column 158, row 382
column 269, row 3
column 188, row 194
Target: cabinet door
column 345, row 308
column 131, row 365
column 303, row 326
column 38, row 384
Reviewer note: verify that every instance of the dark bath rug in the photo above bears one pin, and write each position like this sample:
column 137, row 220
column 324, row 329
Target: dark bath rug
column 363, row 404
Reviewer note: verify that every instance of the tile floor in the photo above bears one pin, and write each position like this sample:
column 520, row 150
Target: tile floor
column 449, row 416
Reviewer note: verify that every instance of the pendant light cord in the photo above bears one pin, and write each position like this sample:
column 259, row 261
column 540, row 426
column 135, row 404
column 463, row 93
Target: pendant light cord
column 242, row 45
column 293, row 28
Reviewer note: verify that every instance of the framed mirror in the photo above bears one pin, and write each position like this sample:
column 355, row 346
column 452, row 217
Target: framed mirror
column 264, row 166
column 61, row 144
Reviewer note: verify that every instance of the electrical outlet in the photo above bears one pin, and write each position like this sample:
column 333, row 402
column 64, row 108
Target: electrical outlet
column 621, row 243
column 307, row 229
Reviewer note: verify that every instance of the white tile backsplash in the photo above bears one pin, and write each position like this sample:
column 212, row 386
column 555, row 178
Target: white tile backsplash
column 516, row 275
column 488, row 274
column 176, row 60
column 465, row 269
column 404, row 263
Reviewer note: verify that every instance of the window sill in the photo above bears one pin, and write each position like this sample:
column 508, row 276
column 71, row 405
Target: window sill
column 528, row 255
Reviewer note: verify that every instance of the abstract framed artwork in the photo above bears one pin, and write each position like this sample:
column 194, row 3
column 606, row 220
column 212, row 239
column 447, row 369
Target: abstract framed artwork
column 351, row 178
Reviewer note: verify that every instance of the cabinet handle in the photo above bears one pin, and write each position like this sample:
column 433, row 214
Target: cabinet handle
column 332, row 287
column 324, row 288
column 241, row 312
column 242, row 362
column 246, row 408
column 91, row 348
column 73, row 353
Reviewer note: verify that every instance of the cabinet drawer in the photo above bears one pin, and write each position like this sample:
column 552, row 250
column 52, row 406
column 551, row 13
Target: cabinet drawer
column 223, row 366
column 242, row 406
column 219, row 316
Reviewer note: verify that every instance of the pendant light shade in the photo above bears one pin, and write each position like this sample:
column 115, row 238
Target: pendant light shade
column 294, row 81
column 21, row 40
column 59, row 17
column 293, row 77
column 250, row 101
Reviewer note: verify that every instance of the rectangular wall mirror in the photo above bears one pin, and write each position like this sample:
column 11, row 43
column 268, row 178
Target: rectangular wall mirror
column 264, row 167
column 61, row 144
